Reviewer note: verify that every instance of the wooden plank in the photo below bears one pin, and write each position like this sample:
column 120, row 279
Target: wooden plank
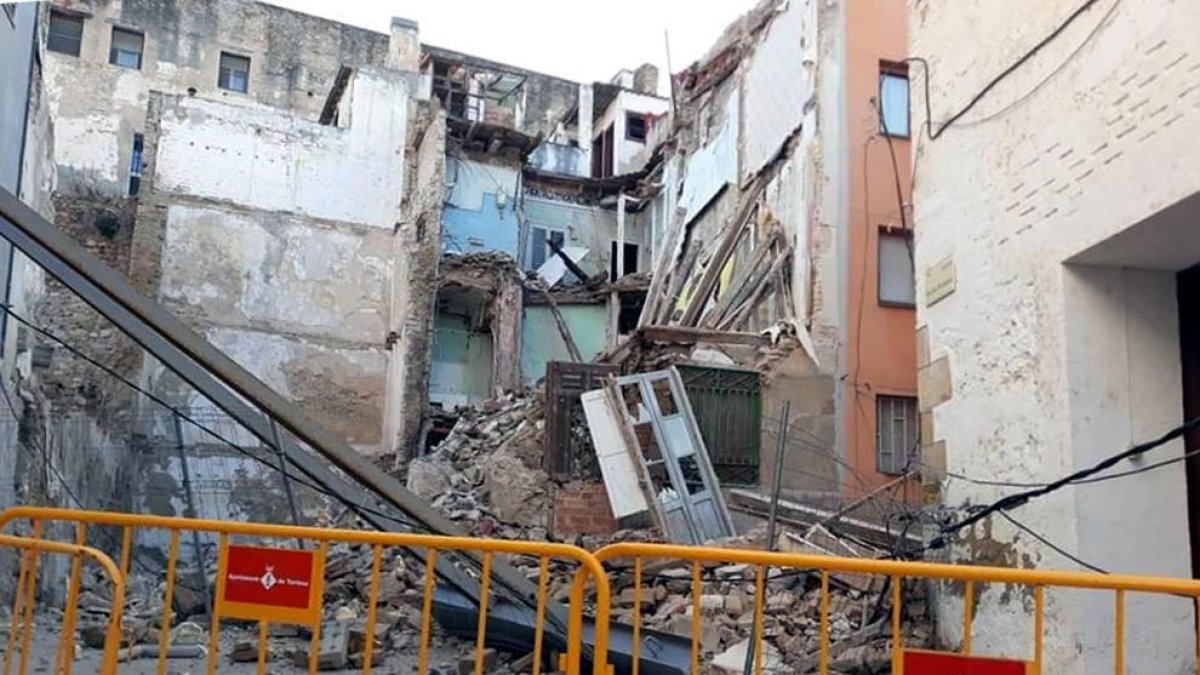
column 561, row 323
column 734, row 292
column 662, row 271
column 689, row 335
column 724, row 249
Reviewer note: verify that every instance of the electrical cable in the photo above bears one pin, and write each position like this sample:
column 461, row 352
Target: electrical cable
column 1058, row 549
column 933, row 135
column 1021, row 498
column 1087, row 481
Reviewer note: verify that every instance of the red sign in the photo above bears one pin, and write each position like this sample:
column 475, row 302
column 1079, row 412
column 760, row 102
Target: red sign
column 936, row 663
column 276, row 584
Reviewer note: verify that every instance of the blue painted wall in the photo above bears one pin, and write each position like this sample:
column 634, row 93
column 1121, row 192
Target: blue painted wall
column 488, row 229
column 541, row 342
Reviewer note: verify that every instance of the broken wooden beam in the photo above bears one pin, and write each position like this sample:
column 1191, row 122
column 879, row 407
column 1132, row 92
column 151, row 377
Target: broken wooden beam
column 561, row 323
column 691, row 335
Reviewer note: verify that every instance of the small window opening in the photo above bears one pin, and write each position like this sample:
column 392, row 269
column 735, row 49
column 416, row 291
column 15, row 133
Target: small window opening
column 234, row 73
column 126, row 50
column 135, row 165
column 635, row 127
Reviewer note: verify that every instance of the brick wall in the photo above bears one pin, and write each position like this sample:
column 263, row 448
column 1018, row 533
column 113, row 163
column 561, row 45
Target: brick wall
column 582, row 508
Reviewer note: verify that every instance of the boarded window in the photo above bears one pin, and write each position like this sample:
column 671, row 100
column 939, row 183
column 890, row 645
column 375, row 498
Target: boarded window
column 893, row 100
column 630, row 262
column 126, row 49
column 65, row 34
column 539, row 249
column 896, row 433
column 234, row 73
column 896, row 283
column 635, row 127
column 728, row 407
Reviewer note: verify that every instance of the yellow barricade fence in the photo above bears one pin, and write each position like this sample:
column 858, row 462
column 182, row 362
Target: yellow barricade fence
column 294, row 577
column 20, row 629
column 284, row 585
column 634, row 555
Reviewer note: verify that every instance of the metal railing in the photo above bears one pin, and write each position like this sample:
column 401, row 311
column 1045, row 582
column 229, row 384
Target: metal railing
column 20, row 629
column 896, row 572
column 591, row 576
column 317, row 540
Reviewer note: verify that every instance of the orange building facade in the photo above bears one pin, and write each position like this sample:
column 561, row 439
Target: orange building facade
column 880, row 419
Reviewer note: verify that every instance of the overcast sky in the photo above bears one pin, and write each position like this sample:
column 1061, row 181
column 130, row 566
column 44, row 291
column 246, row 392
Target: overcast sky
column 584, row 41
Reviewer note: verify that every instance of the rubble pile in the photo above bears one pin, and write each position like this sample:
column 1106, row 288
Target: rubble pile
column 486, row 473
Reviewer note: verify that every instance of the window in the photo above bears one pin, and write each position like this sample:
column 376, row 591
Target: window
column 234, row 74
column 126, row 50
column 135, row 165
column 896, row 282
column 539, row 250
column 635, row 127
column 896, row 433
column 893, row 100
column 631, row 260
column 66, row 33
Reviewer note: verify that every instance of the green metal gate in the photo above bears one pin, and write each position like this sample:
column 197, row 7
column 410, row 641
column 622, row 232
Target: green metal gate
column 727, row 403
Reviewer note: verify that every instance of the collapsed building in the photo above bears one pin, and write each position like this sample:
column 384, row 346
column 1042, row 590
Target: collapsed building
column 514, row 290
column 289, row 186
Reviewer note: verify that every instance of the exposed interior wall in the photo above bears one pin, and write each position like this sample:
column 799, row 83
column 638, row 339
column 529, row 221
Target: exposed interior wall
column 480, row 213
column 588, row 225
column 296, row 295
column 541, row 341
column 1100, row 150
column 461, row 372
column 98, row 106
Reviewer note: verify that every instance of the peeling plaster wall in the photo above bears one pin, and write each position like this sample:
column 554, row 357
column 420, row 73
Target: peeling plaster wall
column 589, row 226
column 480, row 213
column 1047, row 367
column 268, row 159
column 98, row 107
column 300, row 292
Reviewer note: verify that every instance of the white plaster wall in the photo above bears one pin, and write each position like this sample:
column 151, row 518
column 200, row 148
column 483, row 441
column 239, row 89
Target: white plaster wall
column 241, row 269
column 1069, row 150
column 632, row 155
column 1122, row 356
column 713, row 166
column 777, row 84
column 267, row 159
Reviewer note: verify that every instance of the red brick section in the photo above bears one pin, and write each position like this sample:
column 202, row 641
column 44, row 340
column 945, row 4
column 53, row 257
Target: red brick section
column 582, row 508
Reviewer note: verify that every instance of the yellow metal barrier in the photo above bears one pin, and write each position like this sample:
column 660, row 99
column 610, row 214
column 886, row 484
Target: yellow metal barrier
column 20, row 629
column 896, row 571
column 237, row 596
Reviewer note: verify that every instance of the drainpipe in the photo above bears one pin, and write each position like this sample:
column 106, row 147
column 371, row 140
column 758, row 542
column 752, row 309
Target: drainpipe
column 614, row 299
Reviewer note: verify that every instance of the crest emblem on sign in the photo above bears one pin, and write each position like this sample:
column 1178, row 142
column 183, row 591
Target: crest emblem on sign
column 268, row 579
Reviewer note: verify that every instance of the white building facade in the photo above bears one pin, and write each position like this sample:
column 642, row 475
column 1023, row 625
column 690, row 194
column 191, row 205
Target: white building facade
column 1057, row 221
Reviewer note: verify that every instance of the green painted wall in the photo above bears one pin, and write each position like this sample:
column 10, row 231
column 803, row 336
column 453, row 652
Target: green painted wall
column 541, row 342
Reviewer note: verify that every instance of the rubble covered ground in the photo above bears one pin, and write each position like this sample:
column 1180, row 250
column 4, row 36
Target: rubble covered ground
column 486, row 475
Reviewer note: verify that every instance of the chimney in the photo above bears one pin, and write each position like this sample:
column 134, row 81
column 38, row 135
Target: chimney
column 645, row 79
column 404, row 47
